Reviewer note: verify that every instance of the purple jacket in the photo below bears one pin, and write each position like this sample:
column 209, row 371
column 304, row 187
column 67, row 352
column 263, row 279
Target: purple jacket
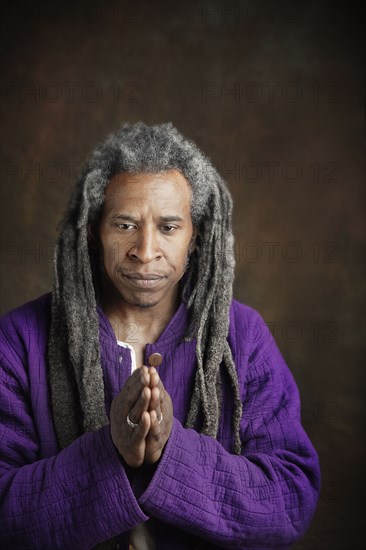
column 200, row 495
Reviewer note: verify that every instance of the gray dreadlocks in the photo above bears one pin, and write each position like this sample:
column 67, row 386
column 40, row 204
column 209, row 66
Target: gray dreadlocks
column 75, row 370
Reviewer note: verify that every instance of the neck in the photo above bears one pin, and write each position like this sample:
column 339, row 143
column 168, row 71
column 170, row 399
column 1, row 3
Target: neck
column 133, row 323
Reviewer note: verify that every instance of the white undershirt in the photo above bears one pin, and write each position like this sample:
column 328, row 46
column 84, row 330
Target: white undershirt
column 133, row 354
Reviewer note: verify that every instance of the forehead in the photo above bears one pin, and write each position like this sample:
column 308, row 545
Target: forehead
column 164, row 190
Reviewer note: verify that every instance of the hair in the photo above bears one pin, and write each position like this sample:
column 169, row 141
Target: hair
column 75, row 370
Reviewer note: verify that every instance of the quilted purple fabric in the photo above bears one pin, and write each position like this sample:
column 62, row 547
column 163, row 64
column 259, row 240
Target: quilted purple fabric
column 200, row 495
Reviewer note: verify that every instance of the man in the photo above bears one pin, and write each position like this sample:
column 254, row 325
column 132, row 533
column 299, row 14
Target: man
column 143, row 407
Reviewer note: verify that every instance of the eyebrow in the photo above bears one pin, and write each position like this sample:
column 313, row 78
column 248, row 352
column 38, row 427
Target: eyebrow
column 171, row 219
column 128, row 217
column 124, row 217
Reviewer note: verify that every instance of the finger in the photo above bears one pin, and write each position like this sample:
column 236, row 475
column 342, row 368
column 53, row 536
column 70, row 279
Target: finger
column 155, row 381
column 155, row 440
column 154, row 377
column 155, row 431
column 159, row 434
column 139, row 433
column 160, row 386
column 140, row 406
column 155, row 401
column 157, row 420
column 135, row 384
column 136, row 445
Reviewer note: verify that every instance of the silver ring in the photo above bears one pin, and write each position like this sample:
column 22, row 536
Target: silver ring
column 161, row 418
column 130, row 423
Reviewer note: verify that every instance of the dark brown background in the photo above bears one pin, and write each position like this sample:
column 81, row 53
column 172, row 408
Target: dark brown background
column 288, row 138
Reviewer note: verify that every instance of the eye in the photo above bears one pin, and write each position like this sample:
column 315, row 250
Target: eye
column 125, row 226
column 168, row 228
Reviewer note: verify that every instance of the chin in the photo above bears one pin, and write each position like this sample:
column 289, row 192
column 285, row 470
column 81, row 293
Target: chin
column 145, row 306
column 143, row 303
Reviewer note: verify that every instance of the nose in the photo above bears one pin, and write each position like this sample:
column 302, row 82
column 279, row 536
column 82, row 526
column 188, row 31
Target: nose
column 146, row 247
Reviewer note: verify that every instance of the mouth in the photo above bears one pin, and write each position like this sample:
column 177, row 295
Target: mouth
column 144, row 280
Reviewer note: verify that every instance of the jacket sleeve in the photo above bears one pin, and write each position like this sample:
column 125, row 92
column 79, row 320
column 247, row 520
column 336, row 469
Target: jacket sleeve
column 77, row 498
column 264, row 498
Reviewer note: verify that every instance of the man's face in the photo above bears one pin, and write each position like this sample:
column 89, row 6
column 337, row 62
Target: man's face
column 145, row 233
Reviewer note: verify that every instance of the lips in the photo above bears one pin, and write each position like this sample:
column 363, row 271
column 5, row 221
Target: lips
column 144, row 276
column 144, row 280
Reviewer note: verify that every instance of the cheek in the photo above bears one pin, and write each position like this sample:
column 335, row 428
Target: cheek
column 113, row 254
column 179, row 252
column 111, row 249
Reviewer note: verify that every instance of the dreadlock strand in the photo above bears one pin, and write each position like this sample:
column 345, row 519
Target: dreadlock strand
column 238, row 407
column 86, row 360
column 61, row 375
column 207, row 334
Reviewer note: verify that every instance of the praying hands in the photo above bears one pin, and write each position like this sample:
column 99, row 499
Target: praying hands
column 141, row 418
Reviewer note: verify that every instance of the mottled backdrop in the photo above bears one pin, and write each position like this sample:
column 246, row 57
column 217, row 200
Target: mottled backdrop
column 273, row 92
